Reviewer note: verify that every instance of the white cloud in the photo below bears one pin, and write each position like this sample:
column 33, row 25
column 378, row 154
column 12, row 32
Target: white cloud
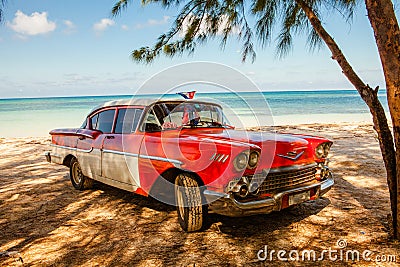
column 103, row 24
column 153, row 22
column 35, row 24
column 125, row 27
column 70, row 26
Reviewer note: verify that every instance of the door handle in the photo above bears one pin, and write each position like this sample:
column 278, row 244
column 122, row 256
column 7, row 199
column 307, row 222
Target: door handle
column 110, row 137
column 81, row 137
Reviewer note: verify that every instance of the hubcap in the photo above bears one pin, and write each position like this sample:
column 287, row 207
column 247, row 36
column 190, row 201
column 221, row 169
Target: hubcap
column 179, row 197
column 76, row 173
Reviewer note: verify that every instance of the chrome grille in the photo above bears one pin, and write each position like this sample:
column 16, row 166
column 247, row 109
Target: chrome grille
column 280, row 180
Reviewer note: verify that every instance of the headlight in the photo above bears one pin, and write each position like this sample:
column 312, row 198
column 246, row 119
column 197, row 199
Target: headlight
column 253, row 159
column 327, row 147
column 240, row 162
column 322, row 150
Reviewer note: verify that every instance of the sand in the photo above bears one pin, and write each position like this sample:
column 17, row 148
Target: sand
column 45, row 222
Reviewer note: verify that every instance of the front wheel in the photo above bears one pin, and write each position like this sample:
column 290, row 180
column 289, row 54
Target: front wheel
column 78, row 180
column 188, row 197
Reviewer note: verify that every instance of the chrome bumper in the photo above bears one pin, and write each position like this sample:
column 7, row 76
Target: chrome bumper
column 48, row 156
column 226, row 204
column 54, row 157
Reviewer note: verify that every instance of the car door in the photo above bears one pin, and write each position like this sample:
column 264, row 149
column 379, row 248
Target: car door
column 90, row 141
column 120, row 151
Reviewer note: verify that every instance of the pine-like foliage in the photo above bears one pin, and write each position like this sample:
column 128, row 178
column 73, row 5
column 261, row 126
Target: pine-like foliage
column 250, row 22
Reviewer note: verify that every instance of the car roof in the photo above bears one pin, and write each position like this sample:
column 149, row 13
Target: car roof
column 145, row 102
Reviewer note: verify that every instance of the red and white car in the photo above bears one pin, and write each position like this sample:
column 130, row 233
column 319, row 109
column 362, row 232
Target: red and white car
column 185, row 152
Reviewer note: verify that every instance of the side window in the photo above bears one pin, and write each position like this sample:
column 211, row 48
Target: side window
column 152, row 123
column 127, row 120
column 84, row 124
column 103, row 121
column 93, row 122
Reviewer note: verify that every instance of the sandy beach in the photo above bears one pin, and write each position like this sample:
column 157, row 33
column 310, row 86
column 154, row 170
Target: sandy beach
column 45, row 222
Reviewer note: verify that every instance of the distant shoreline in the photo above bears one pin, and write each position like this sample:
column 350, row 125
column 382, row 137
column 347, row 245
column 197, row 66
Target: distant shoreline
column 216, row 92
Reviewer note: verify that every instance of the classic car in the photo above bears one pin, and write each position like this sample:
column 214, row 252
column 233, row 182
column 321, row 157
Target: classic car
column 186, row 151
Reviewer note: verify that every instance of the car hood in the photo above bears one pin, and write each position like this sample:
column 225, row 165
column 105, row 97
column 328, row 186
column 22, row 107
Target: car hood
column 246, row 138
column 276, row 149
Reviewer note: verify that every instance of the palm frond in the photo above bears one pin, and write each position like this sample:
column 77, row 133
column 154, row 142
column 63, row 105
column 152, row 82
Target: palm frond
column 119, row 7
column 284, row 43
column 199, row 21
column 266, row 12
column 314, row 41
column 2, row 7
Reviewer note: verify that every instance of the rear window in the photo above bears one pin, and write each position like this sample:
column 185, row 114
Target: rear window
column 127, row 120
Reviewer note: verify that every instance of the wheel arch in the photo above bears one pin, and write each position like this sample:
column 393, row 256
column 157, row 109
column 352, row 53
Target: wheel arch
column 166, row 180
column 67, row 160
column 171, row 174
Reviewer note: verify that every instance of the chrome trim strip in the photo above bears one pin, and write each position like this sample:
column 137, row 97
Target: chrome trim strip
column 162, row 159
column 174, row 161
column 73, row 148
column 213, row 156
column 226, row 157
column 84, row 151
column 237, row 143
column 120, row 153
column 219, row 157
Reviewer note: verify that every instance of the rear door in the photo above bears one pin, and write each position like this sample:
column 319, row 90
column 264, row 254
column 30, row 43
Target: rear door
column 120, row 151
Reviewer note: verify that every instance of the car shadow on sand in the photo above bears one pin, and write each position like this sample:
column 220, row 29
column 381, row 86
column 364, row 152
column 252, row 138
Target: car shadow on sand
column 256, row 224
column 234, row 226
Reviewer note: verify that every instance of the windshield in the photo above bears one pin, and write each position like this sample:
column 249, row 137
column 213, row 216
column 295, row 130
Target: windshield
column 165, row 116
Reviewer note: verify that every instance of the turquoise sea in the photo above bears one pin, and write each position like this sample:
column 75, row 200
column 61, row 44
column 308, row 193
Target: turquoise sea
column 37, row 116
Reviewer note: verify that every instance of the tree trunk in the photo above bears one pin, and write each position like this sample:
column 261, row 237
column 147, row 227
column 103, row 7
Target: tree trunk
column 370, row 97
column 387, row 36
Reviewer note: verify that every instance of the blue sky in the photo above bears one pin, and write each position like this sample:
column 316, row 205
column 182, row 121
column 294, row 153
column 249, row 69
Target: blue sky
column 66, row 48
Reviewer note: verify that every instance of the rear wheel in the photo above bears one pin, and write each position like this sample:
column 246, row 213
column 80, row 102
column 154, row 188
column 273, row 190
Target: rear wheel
column 78, row 180
column 188, row 197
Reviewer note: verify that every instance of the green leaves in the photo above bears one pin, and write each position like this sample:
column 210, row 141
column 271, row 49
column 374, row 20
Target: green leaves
column 119, row 7
column 2, row 5
column 249, row 22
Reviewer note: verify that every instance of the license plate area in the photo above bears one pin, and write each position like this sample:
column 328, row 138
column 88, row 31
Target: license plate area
column 299, row 198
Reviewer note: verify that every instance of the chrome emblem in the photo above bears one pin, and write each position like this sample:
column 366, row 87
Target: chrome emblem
column 292, row 155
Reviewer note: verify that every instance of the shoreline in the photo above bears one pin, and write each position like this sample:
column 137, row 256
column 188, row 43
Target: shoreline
column 204, row 92
column 280, row 122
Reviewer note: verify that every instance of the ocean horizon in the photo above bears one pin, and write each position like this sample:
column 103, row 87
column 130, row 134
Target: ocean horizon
column 23, row 117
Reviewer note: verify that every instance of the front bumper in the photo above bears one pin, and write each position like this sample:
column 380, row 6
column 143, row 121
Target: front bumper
column 226, row 204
